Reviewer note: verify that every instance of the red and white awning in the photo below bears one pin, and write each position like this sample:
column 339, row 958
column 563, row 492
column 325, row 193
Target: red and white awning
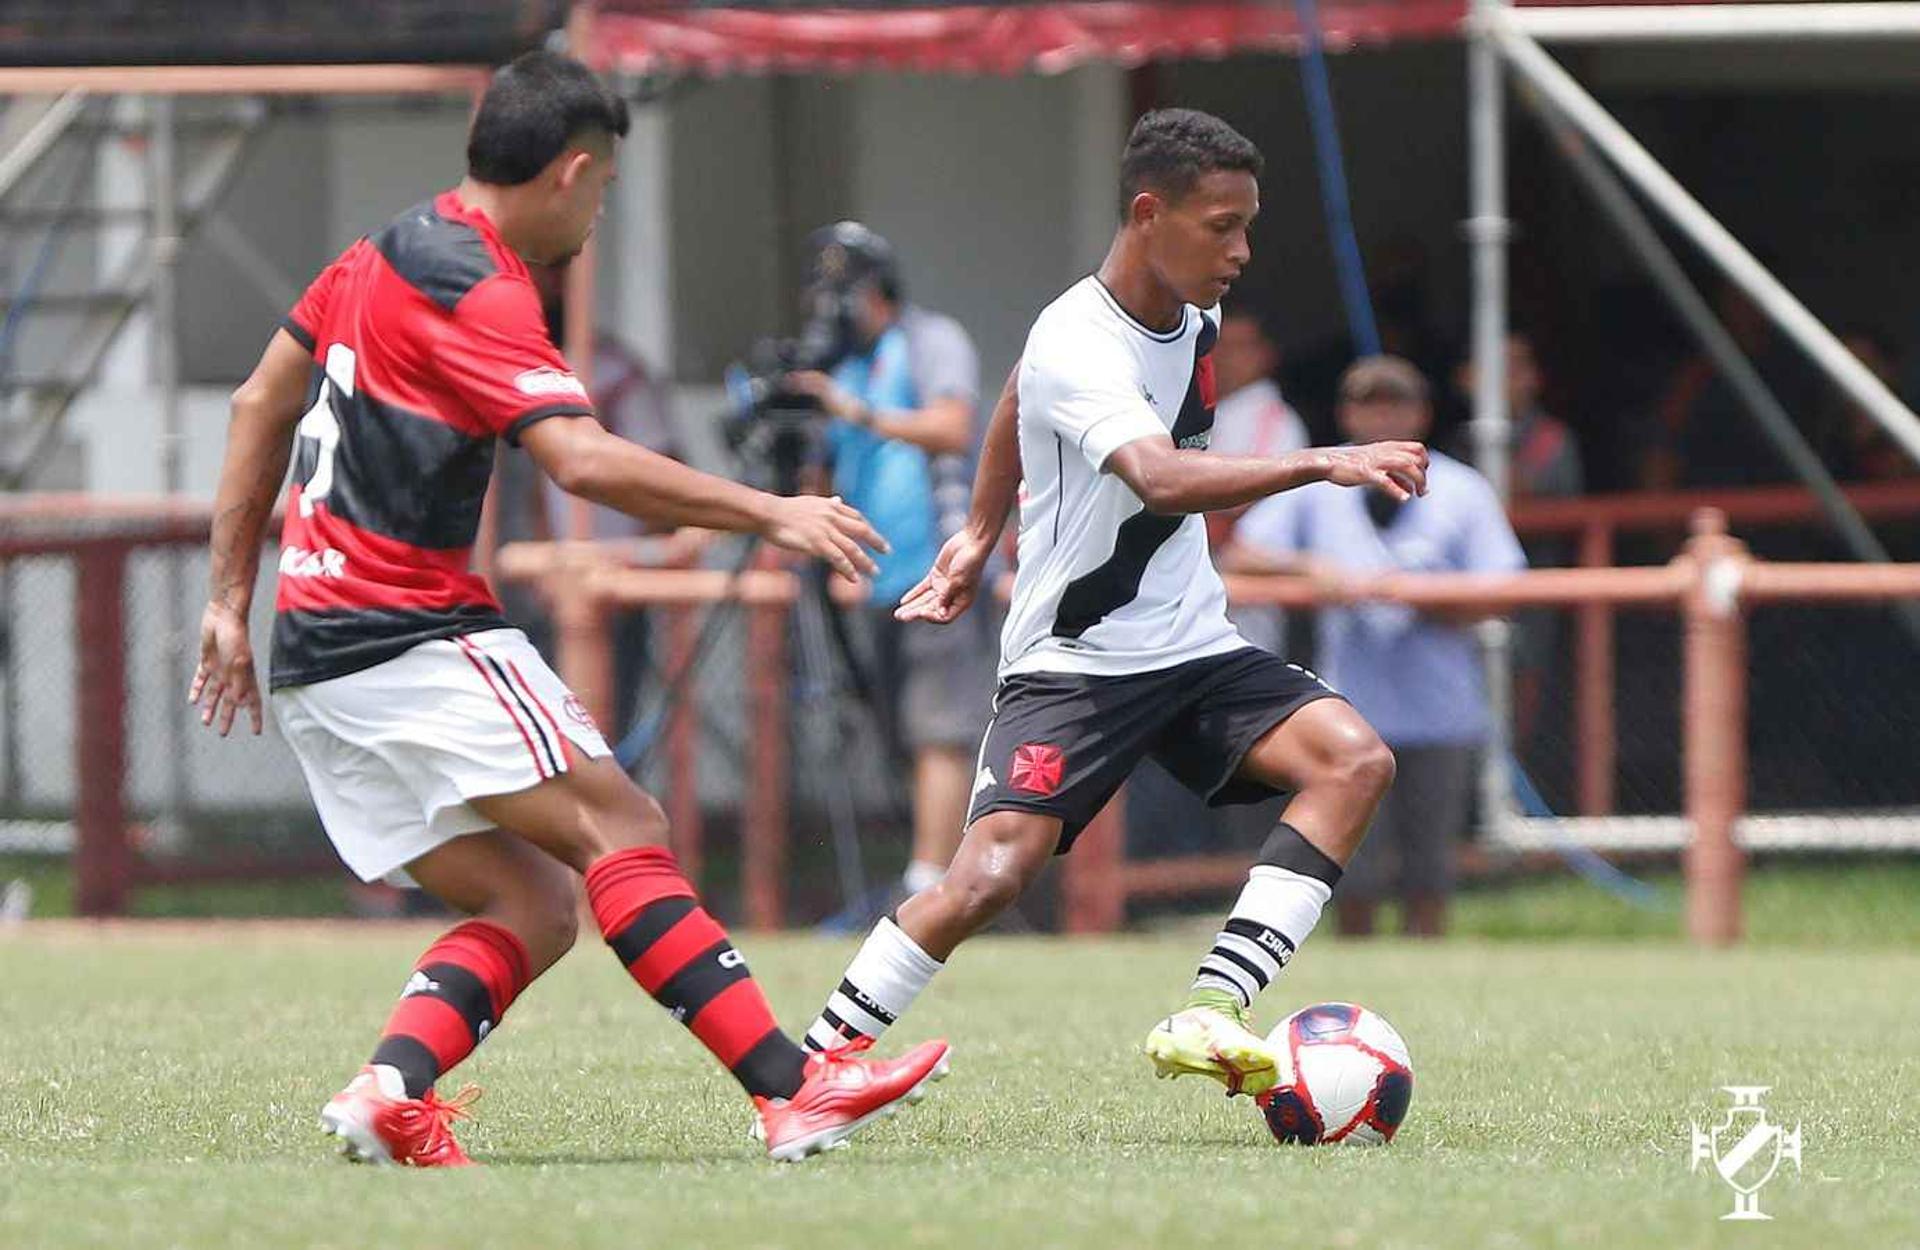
column 983, row 39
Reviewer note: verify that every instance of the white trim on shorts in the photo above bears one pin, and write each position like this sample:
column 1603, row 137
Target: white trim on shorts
column 394, row 754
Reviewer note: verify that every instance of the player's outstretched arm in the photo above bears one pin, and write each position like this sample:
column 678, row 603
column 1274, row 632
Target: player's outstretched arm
column 266, row 409
column 1173, row 482
column 953, row 582
column 585, row 459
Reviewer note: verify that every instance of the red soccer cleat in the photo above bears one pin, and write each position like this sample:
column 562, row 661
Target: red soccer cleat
column 377, row 1123
column 842, row 1094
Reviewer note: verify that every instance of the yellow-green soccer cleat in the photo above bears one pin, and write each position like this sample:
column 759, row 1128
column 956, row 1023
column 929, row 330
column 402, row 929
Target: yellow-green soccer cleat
column 1215, row 1041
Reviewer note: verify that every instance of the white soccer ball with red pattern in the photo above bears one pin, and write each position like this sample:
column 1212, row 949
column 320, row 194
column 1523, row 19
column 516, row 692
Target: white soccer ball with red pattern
column 1352, row 1078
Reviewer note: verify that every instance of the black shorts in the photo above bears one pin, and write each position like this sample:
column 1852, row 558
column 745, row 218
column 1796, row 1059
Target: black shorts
column 1062, row 743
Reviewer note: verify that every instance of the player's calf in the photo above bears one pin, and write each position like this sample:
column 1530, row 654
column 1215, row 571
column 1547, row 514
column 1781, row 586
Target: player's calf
column 998, row 859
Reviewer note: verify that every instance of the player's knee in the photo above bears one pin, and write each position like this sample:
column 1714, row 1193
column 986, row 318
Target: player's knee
column 1368, row 766
column 1352, row 759
column 546, row 915
column 981, row 894
column 642, row 822
column 618, row 818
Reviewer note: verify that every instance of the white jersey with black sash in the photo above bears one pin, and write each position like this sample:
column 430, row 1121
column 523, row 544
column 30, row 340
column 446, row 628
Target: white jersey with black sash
column 1106, row 588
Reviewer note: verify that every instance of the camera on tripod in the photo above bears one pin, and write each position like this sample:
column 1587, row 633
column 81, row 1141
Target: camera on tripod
column 771, row 425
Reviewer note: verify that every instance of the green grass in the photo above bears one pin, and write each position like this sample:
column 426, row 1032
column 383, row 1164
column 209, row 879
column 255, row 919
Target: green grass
column 158, row 1087
column 1853, row 901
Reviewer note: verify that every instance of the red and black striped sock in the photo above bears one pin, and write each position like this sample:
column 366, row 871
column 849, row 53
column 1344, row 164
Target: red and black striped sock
column 680, row 955
column 456, row 996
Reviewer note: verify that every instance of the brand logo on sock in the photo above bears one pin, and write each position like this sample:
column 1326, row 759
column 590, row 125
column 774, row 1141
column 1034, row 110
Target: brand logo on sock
column 1277, row 946
column 731, row 958
column 1037, row 768
column 984, row 780
column 420, row 983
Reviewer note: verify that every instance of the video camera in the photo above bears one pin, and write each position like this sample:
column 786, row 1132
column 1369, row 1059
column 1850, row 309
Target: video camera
column 771, row 424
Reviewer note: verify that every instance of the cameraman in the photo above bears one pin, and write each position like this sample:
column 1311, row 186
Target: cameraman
column 902, row 399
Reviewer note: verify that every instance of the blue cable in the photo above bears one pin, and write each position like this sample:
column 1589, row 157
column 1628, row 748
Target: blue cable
column 1590, row 866
column 1333, row 185
column 37, row 272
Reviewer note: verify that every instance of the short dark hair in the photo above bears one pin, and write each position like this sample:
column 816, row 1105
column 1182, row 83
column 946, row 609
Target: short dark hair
column 533, row 108
column 1382, row 380
column 1172, row 149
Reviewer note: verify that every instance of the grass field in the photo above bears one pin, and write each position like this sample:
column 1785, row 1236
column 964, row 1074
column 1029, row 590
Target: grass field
column 158, row 1087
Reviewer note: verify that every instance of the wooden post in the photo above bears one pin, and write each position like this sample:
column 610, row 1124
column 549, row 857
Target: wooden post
column 1596, row 735
column 1094, row 894
column 764, row 812
column 103, row 864
column 683, row 743
column 581, row 645
column 1714, row 725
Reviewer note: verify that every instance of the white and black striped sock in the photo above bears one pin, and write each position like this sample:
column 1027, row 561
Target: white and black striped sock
column 1275, row 912
column 881, row 983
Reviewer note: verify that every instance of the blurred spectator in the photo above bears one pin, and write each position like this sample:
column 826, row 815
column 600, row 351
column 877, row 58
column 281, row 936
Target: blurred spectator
column 904, row 401
column 1545, row 463
column 1251, row 418
column 1707, row 437
column 1415, row 676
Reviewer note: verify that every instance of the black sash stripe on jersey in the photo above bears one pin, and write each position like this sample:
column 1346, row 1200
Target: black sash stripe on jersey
column 649, row 927
column 401, row 475
column 310, row 646
column 1089, row 598
column 441, row 259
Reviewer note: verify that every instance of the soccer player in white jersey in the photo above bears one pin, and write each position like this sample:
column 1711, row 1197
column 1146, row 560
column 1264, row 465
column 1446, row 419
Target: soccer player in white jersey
column 1118, row 646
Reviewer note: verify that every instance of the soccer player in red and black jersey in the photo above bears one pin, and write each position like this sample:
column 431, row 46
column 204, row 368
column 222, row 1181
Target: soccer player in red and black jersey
column 439, row 748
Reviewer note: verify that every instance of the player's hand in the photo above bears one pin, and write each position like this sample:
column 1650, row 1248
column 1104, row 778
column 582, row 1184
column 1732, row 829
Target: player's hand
column 950, row 585
column 1400, row 469
column 824, row 526
column 225, row 682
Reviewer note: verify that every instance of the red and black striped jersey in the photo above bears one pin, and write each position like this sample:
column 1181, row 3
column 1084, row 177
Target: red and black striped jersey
column 431, row 344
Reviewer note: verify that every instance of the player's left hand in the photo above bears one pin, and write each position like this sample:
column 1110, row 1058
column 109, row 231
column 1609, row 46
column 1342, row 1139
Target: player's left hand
column 225, row 682
column 835, row 399
column 950, row 585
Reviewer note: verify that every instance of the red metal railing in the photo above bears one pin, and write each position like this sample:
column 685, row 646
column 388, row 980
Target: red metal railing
column 583, row 584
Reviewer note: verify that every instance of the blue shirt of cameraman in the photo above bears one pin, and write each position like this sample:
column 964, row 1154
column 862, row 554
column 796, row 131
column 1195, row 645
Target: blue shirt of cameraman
column 890, row 480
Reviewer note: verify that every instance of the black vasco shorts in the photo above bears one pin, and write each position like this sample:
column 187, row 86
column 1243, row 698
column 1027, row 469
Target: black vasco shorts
column 1062, row 743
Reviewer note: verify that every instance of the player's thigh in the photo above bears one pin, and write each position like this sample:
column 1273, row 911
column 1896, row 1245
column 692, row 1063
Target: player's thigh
column 496, row 874
column 581, row 814
column 1326, row 741
column 1234, row 704
column 488, row 736
column 371, row 815
column 1060, row 745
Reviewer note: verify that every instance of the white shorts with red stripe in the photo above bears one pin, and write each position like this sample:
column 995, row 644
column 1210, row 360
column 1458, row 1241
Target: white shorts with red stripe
column 394, row 753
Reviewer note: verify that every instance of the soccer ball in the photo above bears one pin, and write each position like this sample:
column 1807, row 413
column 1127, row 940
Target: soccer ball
column 1352, row 1078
